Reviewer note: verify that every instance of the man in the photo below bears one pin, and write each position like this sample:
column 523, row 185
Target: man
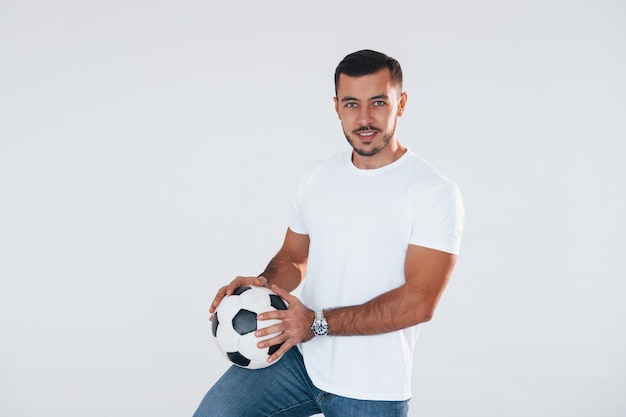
column 376, row 231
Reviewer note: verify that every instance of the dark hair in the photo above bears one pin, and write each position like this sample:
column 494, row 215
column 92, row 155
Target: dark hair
column 367, row 62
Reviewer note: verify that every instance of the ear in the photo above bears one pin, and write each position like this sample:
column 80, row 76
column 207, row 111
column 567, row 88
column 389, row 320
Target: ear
column 403, row 99
column 337, row 107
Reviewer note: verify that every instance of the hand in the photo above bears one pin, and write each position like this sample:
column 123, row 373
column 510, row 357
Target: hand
column 230, row 288
column 294, row 328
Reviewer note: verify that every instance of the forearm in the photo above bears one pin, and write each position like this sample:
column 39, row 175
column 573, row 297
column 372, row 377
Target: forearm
column 391, row 311
column 427, row 273
column 284, row 271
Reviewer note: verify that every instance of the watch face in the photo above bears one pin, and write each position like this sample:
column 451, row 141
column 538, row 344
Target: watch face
column 320, row 327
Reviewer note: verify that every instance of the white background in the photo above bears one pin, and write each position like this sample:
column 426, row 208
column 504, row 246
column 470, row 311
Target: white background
column 147, row 153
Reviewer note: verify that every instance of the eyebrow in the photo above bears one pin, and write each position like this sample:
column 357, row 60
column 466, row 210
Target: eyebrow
column 378, row 97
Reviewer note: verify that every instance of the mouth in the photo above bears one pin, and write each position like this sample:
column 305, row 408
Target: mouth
column 366, row 133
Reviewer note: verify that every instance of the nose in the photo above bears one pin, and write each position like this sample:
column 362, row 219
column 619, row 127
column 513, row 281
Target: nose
column 365, row 116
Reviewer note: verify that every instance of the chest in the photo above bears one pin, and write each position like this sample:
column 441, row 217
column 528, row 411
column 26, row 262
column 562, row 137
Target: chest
column 361, row 209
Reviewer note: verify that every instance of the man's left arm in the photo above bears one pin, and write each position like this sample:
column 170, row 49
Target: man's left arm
column 427, row 272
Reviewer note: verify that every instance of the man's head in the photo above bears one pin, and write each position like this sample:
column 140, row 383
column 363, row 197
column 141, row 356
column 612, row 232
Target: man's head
column 366, row 62
column 368, row 101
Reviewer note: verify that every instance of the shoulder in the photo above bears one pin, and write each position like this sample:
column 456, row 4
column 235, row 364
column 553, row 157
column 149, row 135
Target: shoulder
column 433, row 192
column 425, row 178
column 322, row 166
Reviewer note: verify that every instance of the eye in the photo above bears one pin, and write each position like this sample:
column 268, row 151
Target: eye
column 351, row 104
column 379, row 103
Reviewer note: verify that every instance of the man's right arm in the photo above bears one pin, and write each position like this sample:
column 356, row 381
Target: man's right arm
column 286, row 269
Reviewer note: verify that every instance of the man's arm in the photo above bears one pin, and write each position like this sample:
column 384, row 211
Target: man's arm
column 427, row 272
column 285, row 270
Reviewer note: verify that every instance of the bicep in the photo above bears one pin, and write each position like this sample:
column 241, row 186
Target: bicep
column 427, row 272
column 296, row 247
column 288, row 267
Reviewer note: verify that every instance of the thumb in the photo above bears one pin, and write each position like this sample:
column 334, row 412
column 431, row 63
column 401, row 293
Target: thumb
column 283, row 293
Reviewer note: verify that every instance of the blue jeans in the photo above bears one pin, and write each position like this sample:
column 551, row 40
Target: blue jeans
column 285, row 390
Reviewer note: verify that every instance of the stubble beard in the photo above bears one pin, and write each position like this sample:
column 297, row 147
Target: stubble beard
column 375, row 150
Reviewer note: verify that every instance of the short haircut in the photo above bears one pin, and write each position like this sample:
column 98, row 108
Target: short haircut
column 365, row 62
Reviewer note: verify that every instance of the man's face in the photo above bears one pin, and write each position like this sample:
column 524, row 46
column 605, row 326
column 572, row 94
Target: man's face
column 368, row 107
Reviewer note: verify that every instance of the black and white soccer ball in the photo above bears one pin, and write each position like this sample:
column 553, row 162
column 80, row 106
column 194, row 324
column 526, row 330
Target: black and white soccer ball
column 234, row 323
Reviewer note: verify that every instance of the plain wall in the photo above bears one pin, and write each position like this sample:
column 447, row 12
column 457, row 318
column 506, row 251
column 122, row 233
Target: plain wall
column 148, row 150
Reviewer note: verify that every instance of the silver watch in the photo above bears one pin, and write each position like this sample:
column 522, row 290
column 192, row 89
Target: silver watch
column 320, row 325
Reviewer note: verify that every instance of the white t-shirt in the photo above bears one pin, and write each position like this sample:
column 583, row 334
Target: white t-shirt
column 360, row 223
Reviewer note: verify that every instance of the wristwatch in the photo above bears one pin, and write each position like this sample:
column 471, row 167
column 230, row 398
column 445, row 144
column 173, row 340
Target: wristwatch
column 320, row 325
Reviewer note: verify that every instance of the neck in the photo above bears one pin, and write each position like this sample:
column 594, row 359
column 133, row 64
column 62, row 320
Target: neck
column 388, row 155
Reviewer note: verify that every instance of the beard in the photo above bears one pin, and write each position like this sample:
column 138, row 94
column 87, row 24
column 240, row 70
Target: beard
column 375, row 150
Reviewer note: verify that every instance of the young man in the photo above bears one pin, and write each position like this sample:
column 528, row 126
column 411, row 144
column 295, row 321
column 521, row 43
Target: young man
column 376, row 231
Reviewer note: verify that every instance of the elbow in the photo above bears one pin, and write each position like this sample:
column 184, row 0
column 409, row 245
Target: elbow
column 424, row 315
column 416, row 320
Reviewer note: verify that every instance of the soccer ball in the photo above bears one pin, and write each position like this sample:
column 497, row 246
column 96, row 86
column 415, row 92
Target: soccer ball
column 235, row 322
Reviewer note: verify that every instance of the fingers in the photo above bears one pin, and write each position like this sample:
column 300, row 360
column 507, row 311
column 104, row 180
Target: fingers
column 279, row 337
column 240, row 281
column 221, row 293
column 294, row 325
column 276, row 333
column 262, row 281
column 274, row 330
column 227, row 290
column 285, row 295
column 285, row 345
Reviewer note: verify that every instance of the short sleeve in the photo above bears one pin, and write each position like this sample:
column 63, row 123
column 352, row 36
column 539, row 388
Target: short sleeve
column 297, row 222
column 439, row 218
